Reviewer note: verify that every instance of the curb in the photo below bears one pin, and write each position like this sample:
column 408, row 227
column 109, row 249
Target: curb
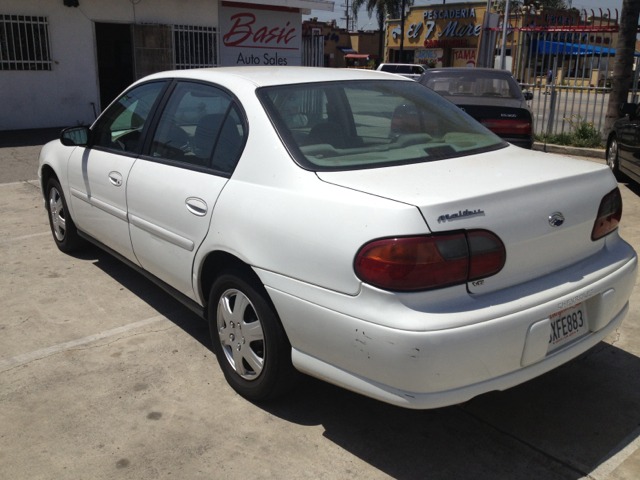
column 567, row 150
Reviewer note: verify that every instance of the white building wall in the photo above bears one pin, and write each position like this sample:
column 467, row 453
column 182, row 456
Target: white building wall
column 63, row 95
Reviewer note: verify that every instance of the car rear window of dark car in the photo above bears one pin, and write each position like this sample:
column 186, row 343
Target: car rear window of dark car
column 472, row 84
column 363, row 124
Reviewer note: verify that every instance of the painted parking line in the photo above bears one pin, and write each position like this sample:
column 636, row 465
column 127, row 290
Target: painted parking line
column 45, row 352
column 35, row 183
column 615, row 457
column 23, row 237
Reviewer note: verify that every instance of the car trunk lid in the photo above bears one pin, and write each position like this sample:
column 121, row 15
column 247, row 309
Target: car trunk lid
column 511, row 192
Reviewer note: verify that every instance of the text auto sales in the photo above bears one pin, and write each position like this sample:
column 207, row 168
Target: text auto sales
column 242, row 34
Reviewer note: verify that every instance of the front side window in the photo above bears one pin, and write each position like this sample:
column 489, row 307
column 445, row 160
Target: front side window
column 120, row 127
column 362, row 124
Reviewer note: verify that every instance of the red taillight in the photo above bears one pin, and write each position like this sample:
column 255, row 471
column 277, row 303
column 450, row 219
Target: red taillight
column 609, row 214
column 487, row 254
column 507, row 127
column 428, row 262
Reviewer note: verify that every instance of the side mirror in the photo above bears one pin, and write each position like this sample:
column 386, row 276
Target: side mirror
column 528, row 96
column 75, row 136
column 628, row 109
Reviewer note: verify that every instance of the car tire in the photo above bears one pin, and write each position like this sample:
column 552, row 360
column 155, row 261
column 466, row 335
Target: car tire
column 249, row 341
column 612, row 157
column 64, row 231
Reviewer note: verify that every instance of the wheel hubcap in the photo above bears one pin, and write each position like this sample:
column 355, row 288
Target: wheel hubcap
column 58, row 214
column 613, row 154
column 240, row 333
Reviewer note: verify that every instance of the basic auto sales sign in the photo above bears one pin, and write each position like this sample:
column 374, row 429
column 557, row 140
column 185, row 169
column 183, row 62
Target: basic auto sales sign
column 259, row 35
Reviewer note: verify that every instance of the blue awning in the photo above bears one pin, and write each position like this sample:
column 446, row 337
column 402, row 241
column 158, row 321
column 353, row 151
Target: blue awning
column 561, row 48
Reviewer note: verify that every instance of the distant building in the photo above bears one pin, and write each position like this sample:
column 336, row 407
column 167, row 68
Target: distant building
column 63, row 61
column 343, row 48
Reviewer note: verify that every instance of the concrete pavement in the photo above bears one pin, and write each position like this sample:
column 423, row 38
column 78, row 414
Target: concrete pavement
column 102, row 375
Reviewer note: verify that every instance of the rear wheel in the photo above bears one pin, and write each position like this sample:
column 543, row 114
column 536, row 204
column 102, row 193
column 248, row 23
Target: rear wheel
column 612, row 157
column 248, row 339
column 63, row 229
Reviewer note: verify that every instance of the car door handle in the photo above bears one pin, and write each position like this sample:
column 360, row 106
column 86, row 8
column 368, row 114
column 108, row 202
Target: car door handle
column 115, row 178
column 197, row 206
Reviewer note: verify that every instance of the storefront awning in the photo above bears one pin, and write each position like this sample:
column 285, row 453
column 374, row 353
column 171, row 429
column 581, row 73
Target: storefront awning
column 360, row 55
column 561, row 48
column 347, row 50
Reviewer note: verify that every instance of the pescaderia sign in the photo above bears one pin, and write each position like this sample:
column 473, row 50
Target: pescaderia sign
column 453, row 29
column 259, row 37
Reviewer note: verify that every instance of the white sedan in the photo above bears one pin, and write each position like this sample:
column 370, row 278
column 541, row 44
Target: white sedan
column 351, row 225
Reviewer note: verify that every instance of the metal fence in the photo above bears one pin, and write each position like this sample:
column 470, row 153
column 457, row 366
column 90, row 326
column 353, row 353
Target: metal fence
column 195, row 47
column 566, row 59
column 24, row 43
column 313, row 51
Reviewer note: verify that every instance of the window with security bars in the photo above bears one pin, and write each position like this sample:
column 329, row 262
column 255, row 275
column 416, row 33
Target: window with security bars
column 24, row 43
column 195, row 47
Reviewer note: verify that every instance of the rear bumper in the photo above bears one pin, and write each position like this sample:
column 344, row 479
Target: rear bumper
column 408, row 399
column 430, row 369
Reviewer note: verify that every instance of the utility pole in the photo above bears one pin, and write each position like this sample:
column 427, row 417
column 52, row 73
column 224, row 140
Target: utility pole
column 402, row 34
column 348, row 19
column 505, row 24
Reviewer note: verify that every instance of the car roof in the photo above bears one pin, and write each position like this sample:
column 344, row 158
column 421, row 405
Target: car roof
column 268, row 76
column 403, row 64
column 495, row 71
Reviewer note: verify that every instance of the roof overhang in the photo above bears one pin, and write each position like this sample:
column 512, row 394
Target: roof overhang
column 305, row 6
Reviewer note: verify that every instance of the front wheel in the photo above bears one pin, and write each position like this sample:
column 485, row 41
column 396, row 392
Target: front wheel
column 63, row 229
column 612, row 157
column 248, row 339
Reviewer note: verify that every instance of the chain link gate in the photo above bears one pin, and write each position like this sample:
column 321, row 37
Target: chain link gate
column 566, row 59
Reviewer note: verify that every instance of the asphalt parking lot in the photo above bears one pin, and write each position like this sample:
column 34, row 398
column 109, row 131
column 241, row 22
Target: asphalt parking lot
column 102, row 375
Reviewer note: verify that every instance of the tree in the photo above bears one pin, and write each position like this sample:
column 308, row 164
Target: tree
column 518, row 6
column 623, row 63
column 382, row 8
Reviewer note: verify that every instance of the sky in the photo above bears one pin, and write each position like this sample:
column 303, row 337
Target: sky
column 366, row 23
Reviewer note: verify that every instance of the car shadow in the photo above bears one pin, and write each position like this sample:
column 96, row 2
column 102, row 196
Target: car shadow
column 631, row 185
column 149, row 292
column 559, row 425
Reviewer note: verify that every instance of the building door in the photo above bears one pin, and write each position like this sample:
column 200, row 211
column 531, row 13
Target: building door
column 114, row 47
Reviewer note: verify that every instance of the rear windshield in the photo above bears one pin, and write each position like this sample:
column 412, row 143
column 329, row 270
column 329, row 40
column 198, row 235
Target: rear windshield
column 472, row 84
column 364, row 124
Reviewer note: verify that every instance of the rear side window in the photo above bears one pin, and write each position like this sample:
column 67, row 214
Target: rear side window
column 201, row 126
column 361, row 124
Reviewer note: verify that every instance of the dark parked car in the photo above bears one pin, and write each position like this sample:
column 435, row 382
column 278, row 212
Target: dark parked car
column 623, row 144
column 492, row 97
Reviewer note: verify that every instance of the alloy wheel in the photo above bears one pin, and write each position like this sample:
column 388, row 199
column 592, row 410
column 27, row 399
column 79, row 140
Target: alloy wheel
column 58, row 214
column 240, row 333
column 612, row 155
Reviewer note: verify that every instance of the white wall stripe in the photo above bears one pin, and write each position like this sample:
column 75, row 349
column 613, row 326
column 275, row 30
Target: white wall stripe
column 23, row 237
column 45, row 352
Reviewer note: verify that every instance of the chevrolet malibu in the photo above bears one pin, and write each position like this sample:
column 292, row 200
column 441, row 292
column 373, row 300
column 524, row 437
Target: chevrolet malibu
column 351, row 225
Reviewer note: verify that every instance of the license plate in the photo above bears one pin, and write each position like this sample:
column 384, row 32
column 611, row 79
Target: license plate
column 567, row 325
